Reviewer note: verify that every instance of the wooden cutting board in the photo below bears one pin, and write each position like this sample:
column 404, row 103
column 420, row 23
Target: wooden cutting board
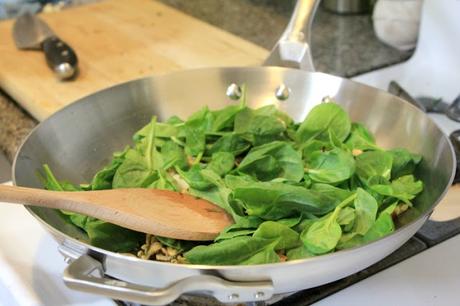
column 116, row 41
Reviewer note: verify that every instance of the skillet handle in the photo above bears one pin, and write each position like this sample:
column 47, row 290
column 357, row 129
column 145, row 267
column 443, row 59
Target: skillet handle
column 80, row 275
column 292, row 49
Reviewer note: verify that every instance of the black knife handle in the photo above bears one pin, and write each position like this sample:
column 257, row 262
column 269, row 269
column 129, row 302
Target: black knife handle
column 60, row 58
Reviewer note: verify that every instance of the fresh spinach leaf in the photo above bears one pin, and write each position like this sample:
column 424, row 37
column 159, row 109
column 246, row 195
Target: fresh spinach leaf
column 366, row 211
column 103, row 179
column 346, row 217
column 287, row 238
column 231, row 143
column 330, row 167
column 272, row 201
column 324, row 234
column 173, row 155
column 404, row 188
column 272, row 160
column 179, row 245
column 112, row 237
column 321, row 119
column 134, row 172
column 383, row 226
column 221, row 163
column 374, row 164
column 239, row 250
column 194, row 178
column 404, row 162
column 195, row 131
column 224, row 118
column 299, row 252
column 360, row 138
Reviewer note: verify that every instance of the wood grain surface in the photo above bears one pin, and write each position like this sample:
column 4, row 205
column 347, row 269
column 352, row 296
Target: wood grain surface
column 116, row 41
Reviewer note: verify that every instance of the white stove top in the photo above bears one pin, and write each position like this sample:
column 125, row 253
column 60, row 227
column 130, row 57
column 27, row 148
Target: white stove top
column 430, row 278
column 31, row 266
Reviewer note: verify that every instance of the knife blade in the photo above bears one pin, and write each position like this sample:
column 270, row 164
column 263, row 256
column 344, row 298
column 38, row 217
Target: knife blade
column 30, row 32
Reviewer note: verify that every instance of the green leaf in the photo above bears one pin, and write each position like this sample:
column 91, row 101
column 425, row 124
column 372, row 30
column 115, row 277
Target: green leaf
column 179, row 245
column 331, row 191
column 150, row 153
column 173, row 155
column 366, row 210
column 360, row 138
column 374, row 163
column 287, row 238
column 272, row 160
column 267, row 120
column 349, row 240
column 230, row 143
column 299, row 252
column 267, row 256
column 49, row 181
column 305, row 224
column 239, row 250
column 225, row 117
column 331, row 167
column 194, row 178
column 346, row 216
column 404, row 188
column 383, row 226
column 323, row 235
column 103, row 178
column 195, row 129
column 312, row 146
column 223, row 192
column 112, row 237
column 272, row 201
column 164, row 182
column 324, row 117
column 290, row 222
column 221, row 163
column 134, row 172
column 404, row 162
column 163, row 129
column 233, row 234
column 242, row 227
column 335, row 141
column 235, row 181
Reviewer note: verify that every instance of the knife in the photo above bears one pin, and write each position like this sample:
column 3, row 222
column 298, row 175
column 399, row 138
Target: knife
column 30, row 32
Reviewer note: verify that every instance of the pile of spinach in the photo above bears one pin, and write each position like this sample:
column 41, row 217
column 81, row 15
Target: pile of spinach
column 295, row 190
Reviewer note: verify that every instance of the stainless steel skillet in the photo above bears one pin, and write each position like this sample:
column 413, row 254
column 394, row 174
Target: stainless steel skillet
column 80, row 139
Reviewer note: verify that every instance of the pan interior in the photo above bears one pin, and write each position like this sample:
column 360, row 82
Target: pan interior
column 80, row 139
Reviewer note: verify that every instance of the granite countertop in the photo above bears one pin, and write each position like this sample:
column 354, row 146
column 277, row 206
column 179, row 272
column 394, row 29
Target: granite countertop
column 341, row 45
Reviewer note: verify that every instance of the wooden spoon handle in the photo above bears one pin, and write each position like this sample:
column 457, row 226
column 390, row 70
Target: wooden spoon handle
column 42, row 198
column 28, row 196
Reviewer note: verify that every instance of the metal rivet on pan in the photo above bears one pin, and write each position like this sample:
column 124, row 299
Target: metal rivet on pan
column 282, row 92
column 65, row 53
column 259, row 295
column 234, row 92
column 233, row 296
column 326, row 99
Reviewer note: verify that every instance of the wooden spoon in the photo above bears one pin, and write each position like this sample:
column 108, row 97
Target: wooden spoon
column 158, row 212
